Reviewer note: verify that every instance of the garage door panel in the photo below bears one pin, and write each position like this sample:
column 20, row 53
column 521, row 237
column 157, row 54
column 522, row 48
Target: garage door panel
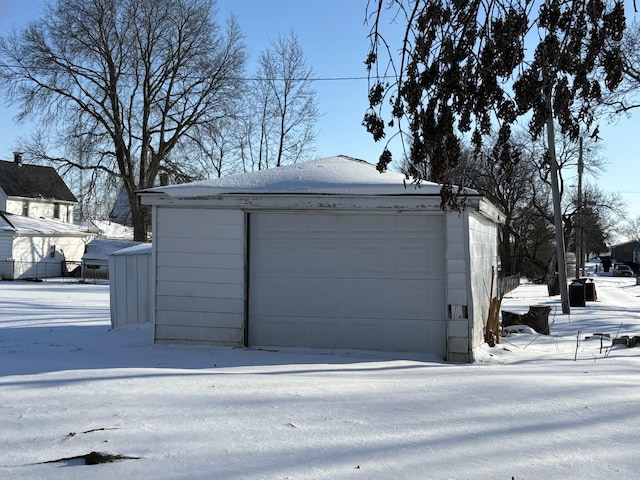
column 321, row 260
column 267, row 331
column 351, row 281
column 367, row 224
column 338, row 297
column 274, row 224
column 321, row 332
column 424, row 226
column 275, row 258
column 278, row 296
column 415, row 259
column 320, row 224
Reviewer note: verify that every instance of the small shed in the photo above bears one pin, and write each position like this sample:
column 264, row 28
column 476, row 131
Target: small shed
column 130, row 270
column 326, row 254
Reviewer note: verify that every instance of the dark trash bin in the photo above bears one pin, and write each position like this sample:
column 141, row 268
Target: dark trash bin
column 577, row 294
column 590, row 292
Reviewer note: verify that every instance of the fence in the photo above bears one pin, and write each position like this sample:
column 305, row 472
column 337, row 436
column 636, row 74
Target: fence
column 24, row 270
column 506, row 284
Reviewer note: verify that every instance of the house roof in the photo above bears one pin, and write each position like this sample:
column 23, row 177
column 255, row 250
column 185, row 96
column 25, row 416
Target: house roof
column 33, row 181
column 16, row 224
column 339, row 175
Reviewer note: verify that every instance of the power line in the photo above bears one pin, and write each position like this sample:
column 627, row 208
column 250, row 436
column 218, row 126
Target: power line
column 242, row 79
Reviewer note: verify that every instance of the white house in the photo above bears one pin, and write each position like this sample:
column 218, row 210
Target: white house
column 34, row 191
column 39, row 248
column 325, row 254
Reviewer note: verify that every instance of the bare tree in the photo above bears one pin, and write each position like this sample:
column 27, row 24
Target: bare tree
column 627, row 96
column 631, row 229
column 285, row 105
column 135, row 75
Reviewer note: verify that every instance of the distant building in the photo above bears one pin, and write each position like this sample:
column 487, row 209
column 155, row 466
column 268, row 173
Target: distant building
column 624, row 252
column 33, row 248
column 34, row 191
column 121, row 211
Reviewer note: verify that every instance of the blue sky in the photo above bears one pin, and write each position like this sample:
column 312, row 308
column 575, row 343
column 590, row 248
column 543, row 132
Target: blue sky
column 333, row 37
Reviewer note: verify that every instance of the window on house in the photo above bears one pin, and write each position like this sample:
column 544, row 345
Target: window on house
column 25, row 209
column 56, row 210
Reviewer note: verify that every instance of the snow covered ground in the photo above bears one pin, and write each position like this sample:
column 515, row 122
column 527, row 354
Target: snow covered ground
column 533, row 407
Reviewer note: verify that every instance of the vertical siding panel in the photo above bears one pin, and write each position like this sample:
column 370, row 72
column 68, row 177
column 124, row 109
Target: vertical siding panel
column 472, row 250
column 209, row 243
column 457, row 281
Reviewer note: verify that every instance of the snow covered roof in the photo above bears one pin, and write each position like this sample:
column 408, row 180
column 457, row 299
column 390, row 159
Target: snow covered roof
column 12, row 224
column 108, row 229
column 101, row 249
column 339, row 175
column 141, row 249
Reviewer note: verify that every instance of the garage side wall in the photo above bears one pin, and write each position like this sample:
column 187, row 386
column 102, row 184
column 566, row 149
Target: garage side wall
column 483, row 248
column 457, row 287
column 199, row 275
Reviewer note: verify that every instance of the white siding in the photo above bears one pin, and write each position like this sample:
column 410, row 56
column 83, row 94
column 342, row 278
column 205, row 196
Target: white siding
column 15, row 206
column 483, row 247
column 199, row 275
column 40, row 209
column 457, row 286
column 32, row 255
column 471, row 252
column 129, row 284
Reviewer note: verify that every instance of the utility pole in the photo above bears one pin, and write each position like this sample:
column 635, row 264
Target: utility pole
column 555, row 189
column 557, row 213
column 578, row 222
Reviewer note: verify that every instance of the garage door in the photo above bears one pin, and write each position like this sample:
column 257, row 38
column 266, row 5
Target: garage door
column 347, row 281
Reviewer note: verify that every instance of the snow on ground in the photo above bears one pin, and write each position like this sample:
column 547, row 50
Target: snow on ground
column 533, row 407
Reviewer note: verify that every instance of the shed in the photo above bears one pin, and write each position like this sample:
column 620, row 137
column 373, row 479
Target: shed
column 130, row 270
column 324, row 254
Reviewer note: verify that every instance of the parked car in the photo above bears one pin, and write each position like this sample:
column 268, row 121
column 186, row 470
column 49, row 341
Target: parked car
column 621, row 270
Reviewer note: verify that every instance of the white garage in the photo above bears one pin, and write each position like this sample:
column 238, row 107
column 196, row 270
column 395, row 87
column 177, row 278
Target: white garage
column 326, row 254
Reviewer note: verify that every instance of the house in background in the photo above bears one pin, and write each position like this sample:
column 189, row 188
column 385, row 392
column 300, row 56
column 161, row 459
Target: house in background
column 326, row 254
column 37, row 236
column 34, row 191
column 625, row 253
column 34, row 248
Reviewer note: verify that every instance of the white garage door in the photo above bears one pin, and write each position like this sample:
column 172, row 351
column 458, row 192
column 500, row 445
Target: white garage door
column 347, row 281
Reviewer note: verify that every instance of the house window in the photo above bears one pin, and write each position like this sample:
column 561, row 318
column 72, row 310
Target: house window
column 56, row 210
column 25, row 208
